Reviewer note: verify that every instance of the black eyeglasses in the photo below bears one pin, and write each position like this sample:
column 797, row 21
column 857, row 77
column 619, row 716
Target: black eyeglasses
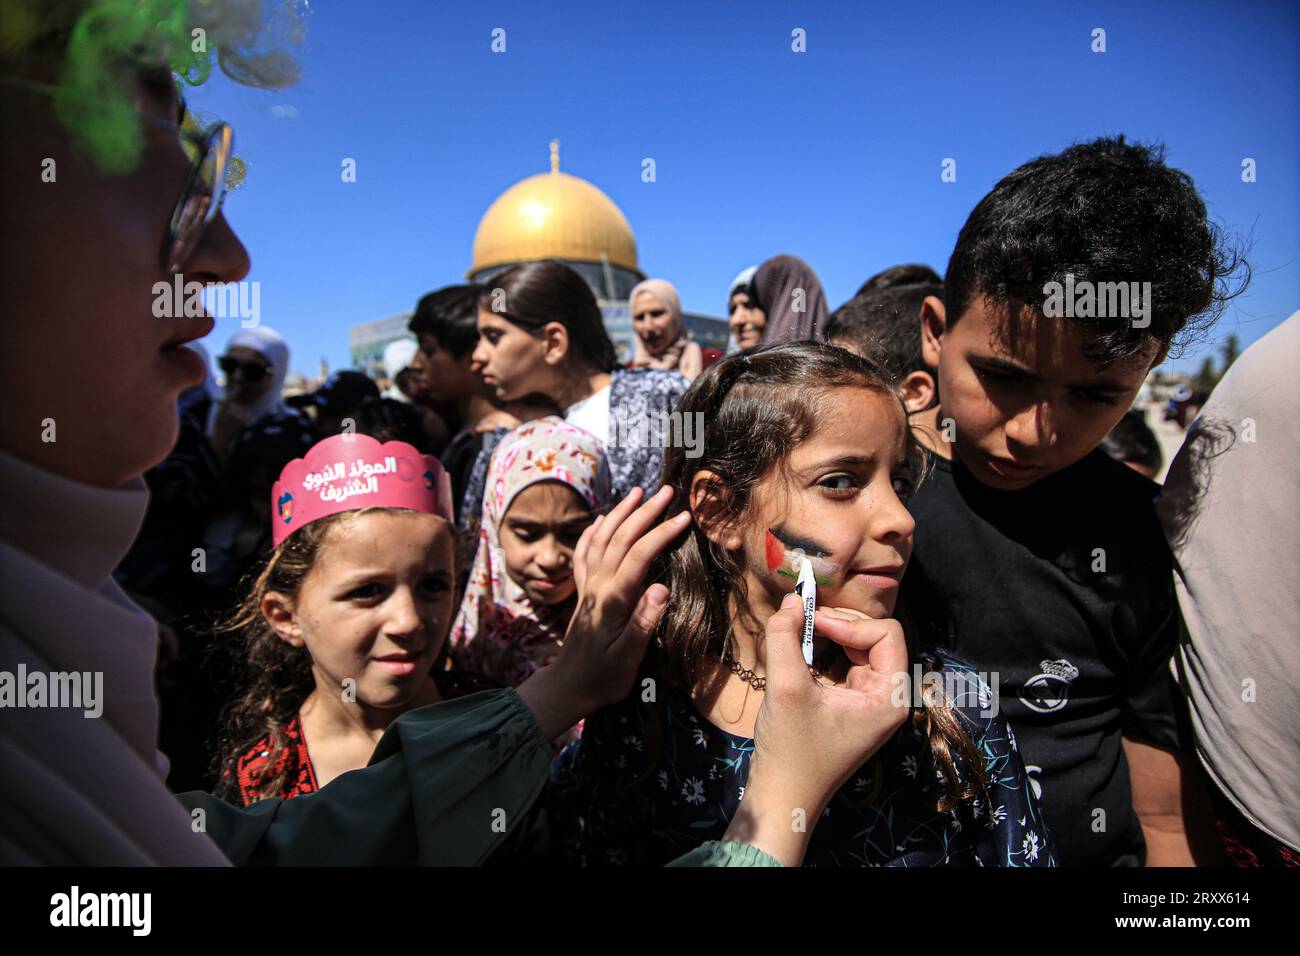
column 205, row 186
column 248, row 371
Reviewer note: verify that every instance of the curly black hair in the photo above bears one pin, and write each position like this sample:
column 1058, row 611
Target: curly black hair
column 1102, row 211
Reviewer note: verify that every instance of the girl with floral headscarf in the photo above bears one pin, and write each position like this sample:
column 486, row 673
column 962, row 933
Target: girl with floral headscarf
column 546, row 483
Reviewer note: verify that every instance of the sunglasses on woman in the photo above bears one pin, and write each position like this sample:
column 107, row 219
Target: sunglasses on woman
column 248, row 371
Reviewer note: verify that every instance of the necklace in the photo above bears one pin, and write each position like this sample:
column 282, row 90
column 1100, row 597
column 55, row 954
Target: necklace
column 749, row 677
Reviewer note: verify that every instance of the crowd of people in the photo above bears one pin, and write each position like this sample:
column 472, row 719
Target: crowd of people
column 462, row 618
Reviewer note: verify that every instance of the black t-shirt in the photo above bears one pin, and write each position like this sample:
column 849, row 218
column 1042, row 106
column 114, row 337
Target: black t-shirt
column 1062, row 593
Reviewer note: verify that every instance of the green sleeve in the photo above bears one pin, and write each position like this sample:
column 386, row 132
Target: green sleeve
column 444, row 787
column 725, row 853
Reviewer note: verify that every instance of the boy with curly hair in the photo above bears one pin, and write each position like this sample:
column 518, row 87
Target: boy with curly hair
column 1037, row 556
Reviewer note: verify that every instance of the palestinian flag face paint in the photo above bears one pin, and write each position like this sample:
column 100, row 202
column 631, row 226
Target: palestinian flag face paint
column 785, row 552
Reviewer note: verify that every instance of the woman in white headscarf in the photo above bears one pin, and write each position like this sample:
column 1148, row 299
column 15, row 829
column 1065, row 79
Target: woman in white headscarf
column 254, row 434
column 398, row 356
column 255, row 364
column 661, row 339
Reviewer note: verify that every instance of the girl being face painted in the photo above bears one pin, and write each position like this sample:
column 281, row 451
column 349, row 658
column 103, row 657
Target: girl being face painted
column 807, row 454
column 839, row 503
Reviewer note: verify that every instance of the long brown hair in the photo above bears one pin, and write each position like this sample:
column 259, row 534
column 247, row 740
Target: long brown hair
column 756, row 408
column 276, row 677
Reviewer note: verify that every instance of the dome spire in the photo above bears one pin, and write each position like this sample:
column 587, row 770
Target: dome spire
column 555, row 155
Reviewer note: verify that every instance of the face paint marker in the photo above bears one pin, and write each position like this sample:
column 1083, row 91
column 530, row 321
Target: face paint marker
column 806, row 588
column 785, row 555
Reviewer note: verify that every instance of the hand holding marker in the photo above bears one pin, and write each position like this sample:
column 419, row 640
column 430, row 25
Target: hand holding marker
column 804, row 561
column 806, row 588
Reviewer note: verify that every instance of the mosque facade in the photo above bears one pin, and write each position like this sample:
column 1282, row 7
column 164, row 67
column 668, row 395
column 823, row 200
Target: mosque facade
column 552, row 215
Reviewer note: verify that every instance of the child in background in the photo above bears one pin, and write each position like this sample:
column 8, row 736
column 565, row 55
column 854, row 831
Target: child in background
column 806, row 451
column 882, row 323
column 1038, row 556
column 344, row 624
column 896, row 277
column 546, row 483
column 445, row 323
column 541, row 333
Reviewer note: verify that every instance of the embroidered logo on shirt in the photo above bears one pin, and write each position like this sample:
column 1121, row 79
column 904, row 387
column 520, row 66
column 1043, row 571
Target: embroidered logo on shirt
column 1049, row 691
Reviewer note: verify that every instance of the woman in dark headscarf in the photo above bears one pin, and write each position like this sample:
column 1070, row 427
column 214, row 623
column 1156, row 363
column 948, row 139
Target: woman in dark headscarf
column 789, row 292
column 745, row 319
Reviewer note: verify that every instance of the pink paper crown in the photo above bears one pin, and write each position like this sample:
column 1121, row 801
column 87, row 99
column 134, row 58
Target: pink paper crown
column 347, row 472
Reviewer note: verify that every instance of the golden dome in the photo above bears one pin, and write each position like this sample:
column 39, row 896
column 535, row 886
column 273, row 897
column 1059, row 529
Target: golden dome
column 553, row 216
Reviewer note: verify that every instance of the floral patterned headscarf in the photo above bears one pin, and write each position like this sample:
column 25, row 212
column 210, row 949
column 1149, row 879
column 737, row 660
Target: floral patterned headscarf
column 499, row 632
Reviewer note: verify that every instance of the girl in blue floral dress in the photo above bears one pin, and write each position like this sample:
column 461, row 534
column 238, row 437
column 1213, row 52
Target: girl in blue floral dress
column 806, row 455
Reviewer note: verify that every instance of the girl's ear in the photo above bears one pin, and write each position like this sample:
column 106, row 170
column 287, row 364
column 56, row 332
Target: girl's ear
column 918, row 391
column 709, row 507
column 555, row 343
column 933, row 319
column 277, row 609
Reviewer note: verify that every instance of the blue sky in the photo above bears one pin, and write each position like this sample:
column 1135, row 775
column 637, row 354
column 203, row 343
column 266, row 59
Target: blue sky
column 833, row 155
